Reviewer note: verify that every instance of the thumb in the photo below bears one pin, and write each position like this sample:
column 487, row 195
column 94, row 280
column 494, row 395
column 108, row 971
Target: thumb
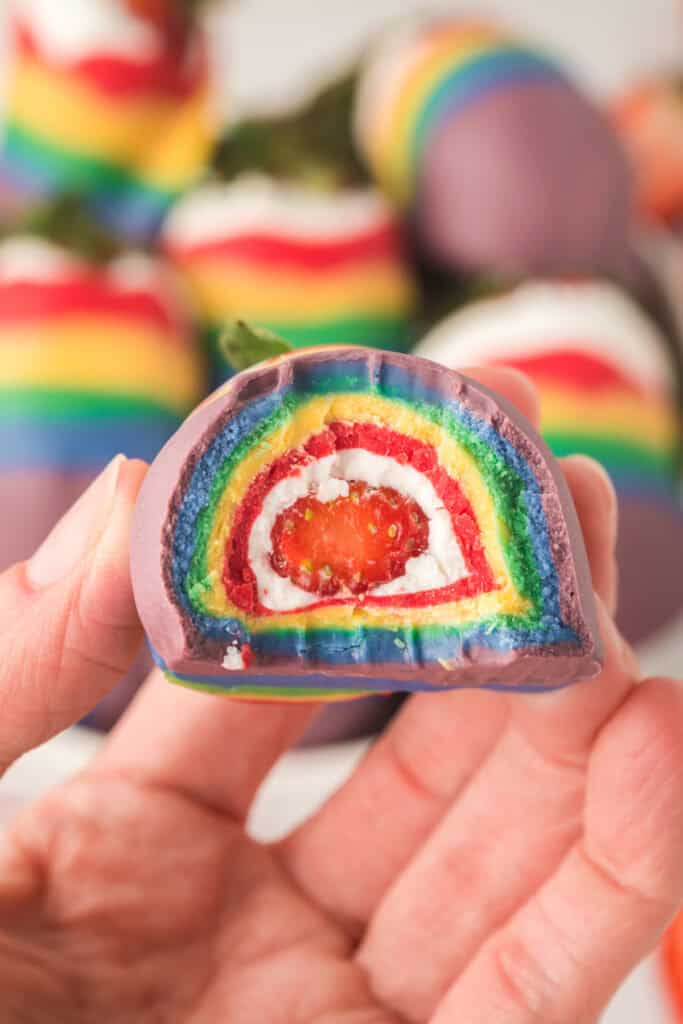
column 68, row 625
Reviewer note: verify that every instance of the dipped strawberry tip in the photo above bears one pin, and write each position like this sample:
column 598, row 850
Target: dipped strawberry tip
column 161, row 10
column 313, row 145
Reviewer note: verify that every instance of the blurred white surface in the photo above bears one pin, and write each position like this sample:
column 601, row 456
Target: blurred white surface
column 270, row 49
column 268, row 52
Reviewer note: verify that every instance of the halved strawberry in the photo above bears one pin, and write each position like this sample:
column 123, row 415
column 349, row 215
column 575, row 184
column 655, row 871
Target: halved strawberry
column 350, row 544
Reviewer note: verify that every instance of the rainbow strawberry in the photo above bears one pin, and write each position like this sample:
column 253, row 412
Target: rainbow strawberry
column 110, row 101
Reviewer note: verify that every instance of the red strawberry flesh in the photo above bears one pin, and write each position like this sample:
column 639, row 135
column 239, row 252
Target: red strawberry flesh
column 351, row 544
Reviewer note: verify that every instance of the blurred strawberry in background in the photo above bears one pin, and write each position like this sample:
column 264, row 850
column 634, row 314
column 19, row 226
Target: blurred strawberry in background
column 109, row 102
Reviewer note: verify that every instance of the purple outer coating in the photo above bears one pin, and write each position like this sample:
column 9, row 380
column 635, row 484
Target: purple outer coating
column 149, row 546
column 528, row 179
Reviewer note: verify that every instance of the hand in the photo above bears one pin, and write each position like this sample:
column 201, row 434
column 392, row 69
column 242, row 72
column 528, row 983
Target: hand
column 493, row 859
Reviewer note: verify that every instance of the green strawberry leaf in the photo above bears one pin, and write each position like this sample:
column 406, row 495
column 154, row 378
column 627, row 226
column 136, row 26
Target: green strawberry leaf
column 243, row 345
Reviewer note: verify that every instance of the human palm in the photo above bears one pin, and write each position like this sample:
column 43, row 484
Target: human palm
column 129, row 902
column 492, row 859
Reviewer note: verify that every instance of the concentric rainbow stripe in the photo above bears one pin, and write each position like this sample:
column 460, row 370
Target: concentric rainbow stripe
column 266, row 426
column 425, row 74
column 94, row 360
column 129, row 134
column 315, row 268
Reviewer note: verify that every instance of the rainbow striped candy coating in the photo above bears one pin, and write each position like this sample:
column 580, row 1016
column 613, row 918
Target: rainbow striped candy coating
column 106, row 104
column 501, row 596
column 314, row 267
column 608, row 389
column 424, row 74
column 96, row 360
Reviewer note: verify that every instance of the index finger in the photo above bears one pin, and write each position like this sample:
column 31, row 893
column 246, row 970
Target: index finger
column 68, row 625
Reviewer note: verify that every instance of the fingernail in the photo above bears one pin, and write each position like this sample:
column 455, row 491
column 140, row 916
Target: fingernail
column 77, row 530
column 614, row 641
column 610, row 508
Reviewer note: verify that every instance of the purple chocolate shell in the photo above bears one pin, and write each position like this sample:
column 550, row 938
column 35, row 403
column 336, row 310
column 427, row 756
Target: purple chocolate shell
column 529, row 179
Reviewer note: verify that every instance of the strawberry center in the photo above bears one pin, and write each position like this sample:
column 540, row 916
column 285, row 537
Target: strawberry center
column 350, row 544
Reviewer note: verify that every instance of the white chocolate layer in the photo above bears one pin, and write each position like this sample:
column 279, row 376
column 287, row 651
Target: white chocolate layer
column 440, row 565
column 234, row 659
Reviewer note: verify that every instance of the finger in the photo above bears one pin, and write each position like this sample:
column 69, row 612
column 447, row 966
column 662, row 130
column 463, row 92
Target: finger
column 596, row 505
column 68, row 625
column 512, row 385
column 563, row 954
column 501, row 839
column 212, row 749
